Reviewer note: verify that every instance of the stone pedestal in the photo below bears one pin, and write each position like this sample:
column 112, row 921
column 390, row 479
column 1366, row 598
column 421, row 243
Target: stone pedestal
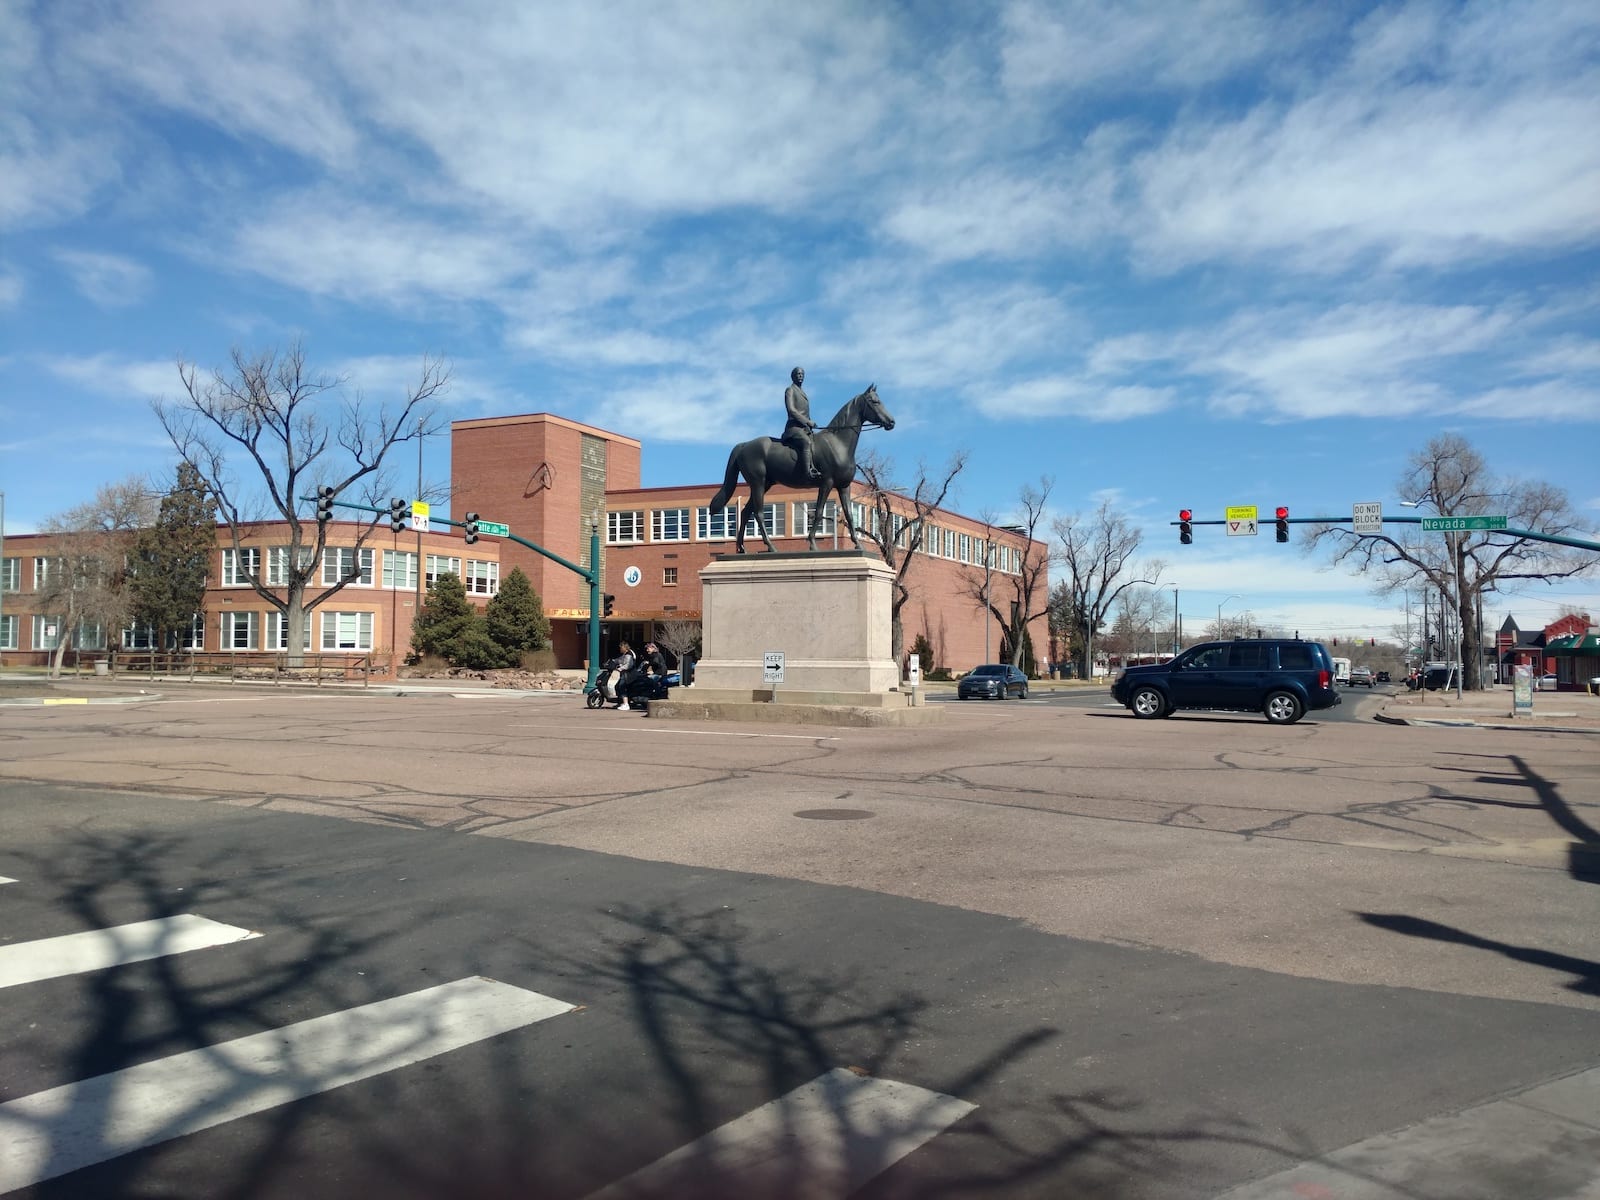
column 828, row 612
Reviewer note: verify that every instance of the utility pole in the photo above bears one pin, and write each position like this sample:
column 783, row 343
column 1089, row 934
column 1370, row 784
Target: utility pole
column 2, row 578
column 987, row 615
column 421, row 573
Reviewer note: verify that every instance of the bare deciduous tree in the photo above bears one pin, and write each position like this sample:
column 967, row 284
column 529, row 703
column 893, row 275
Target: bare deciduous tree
column 1097, row 553
column 85, row 586
column 1141, row 613
column 270, row 410
column 1015, row 599
column 1452, row 478
column 678, row 637
column 899, row 537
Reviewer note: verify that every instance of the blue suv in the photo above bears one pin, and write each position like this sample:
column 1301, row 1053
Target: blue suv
column 1279, row 678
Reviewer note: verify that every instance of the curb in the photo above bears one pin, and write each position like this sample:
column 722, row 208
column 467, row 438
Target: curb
column 1468, row 723
column 59, row 701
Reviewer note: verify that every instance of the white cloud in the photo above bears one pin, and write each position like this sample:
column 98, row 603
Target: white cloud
column 324, row 244
column 1549, row 401
column 1431, row 145
column 11, row 288
column 119, row 378
column 106, row 280
column 1073, row 397
column 1082, row 45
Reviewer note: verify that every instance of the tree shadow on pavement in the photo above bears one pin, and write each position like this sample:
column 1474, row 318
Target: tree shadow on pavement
column 723, row 1033
column 169, row 1004
column 1583, row 852
column 1583, row 865
column 1587, row 982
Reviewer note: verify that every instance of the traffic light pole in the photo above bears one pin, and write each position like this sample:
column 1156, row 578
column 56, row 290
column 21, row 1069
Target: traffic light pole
column 590, row 574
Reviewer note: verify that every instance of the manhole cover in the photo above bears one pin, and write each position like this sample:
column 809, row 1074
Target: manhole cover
column 834, row 814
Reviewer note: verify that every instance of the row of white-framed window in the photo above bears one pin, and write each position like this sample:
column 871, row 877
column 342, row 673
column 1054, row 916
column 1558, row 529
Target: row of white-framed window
column 243, row 630
column 338, row 562
column 626, row 527
column 357, row 565
column 248, row 630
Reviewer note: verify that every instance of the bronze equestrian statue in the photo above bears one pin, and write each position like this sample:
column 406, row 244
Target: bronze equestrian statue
column 765, row 461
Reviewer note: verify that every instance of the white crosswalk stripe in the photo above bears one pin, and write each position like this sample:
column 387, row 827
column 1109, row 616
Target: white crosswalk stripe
column 822, row 1141
column 97, row 949
column 79, row 1124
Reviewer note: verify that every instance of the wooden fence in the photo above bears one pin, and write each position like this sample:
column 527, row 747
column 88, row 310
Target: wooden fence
column 246, row 666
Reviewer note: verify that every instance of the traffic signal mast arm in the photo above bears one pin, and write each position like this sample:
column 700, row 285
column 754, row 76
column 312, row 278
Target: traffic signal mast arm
column 591, row 577
column 1556, row 539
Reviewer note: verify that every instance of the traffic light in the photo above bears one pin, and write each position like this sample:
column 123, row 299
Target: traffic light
column 325, row 495
column 1283, row 523
column 469, row 526
column 397, row 513
column 611, row 602
column 1185, row 530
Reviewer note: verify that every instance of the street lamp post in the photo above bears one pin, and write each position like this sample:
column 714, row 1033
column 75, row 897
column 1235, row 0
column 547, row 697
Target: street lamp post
column 1453, row 550
column 1175, row 646
column 1220, row 603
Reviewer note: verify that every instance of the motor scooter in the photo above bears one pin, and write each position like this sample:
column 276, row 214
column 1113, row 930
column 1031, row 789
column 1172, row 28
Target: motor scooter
column 638, row 691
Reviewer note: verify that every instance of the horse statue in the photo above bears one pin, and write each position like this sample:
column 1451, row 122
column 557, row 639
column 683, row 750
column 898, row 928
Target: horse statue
column 764, row 461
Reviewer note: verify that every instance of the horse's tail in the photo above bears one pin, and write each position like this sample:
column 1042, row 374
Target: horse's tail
column 730, row 480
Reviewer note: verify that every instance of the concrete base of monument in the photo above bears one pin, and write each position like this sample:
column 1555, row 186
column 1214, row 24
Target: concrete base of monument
column 819, row 623
column 788, row 706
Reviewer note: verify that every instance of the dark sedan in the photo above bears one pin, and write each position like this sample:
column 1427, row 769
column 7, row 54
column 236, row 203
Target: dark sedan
column 993, row 681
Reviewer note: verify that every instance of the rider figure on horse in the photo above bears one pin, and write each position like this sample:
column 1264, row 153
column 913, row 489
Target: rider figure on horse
column 799, row 428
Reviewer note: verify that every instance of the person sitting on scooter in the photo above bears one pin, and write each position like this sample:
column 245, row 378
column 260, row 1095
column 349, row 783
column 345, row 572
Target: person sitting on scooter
column 654, row 660
column 616, row 669
column 638, row 682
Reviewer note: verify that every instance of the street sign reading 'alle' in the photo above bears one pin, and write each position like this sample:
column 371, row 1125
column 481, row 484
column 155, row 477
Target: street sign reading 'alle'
column 1460, row 524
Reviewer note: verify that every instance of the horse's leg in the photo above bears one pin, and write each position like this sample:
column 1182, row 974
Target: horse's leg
column 816, row 514
column 758, row 504
column 849, row 521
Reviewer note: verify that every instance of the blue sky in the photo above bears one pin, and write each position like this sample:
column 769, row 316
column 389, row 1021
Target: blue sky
column 1194, row 254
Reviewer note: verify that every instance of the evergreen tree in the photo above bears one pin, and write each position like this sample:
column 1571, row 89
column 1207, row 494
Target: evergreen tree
column 450, row 627
column 446, row 618
column 170, row 560
column 515, row 616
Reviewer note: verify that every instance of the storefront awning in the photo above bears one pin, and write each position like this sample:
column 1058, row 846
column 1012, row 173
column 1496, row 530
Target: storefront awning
column 1575, row 645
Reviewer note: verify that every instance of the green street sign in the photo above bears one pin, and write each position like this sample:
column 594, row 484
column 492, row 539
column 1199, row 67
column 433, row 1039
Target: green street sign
column 1457, row 524
column 494, row 529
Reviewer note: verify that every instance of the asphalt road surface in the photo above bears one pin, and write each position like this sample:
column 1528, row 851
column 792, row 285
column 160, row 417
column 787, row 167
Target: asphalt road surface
column 299, row 945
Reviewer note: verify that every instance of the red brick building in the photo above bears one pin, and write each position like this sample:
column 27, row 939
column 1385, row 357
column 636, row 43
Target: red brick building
column 552, row 479
column 370, row 615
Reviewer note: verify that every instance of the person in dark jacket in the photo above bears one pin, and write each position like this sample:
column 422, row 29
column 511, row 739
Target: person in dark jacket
column 653, row 661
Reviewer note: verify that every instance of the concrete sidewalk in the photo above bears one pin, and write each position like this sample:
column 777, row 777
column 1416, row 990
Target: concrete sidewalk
column 1564, row 712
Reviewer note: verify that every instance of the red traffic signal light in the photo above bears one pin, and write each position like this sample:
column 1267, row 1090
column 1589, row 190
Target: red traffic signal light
column 1283, row 512
column 1185, row 530
column 1283, row 523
